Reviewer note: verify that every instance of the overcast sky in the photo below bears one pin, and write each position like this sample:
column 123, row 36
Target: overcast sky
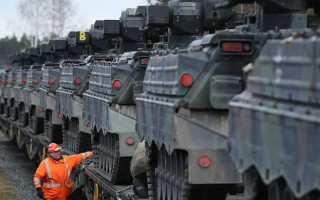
column 86, row 13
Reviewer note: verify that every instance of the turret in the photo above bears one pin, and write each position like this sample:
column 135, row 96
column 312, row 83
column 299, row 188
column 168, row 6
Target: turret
column 99, row 43
column 156, row 22
column 274, row 14
column 45, row 52
column 78, row 43
column 34, row 57
column 59, row 49
column 132, row 33
column 15, row 61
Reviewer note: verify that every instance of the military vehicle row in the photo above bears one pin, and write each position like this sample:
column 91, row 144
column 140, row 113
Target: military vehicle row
column 154, row 77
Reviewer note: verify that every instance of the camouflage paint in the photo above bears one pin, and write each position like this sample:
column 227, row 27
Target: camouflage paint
column 194, row 118
column 273, row 124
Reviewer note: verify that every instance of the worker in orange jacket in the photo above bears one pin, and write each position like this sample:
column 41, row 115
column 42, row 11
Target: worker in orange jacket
column 55, row 172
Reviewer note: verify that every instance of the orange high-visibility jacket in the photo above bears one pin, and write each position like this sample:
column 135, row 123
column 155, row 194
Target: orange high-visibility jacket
column 55, row 175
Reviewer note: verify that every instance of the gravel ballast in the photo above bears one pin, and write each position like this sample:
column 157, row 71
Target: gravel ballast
column 17, row 169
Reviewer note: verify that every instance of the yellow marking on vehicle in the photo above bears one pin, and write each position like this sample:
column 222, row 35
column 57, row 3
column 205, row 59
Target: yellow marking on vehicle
column 31, row 145
column 11, row 130
column 82, row 36
column 43, row 153
column 96, row 192
column 19, row 136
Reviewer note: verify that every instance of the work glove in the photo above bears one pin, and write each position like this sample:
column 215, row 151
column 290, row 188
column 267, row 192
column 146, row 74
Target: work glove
column 40, row 193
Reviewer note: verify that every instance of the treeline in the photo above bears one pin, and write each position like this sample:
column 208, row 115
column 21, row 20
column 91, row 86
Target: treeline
column 10, row 46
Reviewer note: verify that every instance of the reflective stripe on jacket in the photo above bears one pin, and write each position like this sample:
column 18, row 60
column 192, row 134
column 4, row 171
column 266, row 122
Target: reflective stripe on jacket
column 55, row 175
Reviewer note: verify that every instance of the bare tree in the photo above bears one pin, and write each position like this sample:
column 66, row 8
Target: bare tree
column 62, row 10
column 46, row 15
column 52, row 15
column 33, row 11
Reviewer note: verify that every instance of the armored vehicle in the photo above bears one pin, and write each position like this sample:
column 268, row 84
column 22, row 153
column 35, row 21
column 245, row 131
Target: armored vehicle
column 107, row 89
column 192, row 132
column 37, row 57
column 73, row 82
column 109, row 103
column 8, row 91
column 9, row 107
column 183, row 112
column 31, row 102
column 105, row 109
column 4, row 107
column 2, row 103
column 16, row 126
column 16, row 81
column 52, row 119
column 71, row 48
column 21, row 119
column 32, row 107
column 273, row 122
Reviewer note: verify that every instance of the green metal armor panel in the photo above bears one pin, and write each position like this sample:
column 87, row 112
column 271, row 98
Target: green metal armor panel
column 274, row 123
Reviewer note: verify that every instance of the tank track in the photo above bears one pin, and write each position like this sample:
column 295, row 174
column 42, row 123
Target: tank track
column 167, row 178
column 75, row 141
column 30, row 122
column 13, row 113
column 45, row 129
column 36, row 123
column 65, row 126
column 52, row 132
column 152, row 192
column 106, row 159
column 23, row 118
